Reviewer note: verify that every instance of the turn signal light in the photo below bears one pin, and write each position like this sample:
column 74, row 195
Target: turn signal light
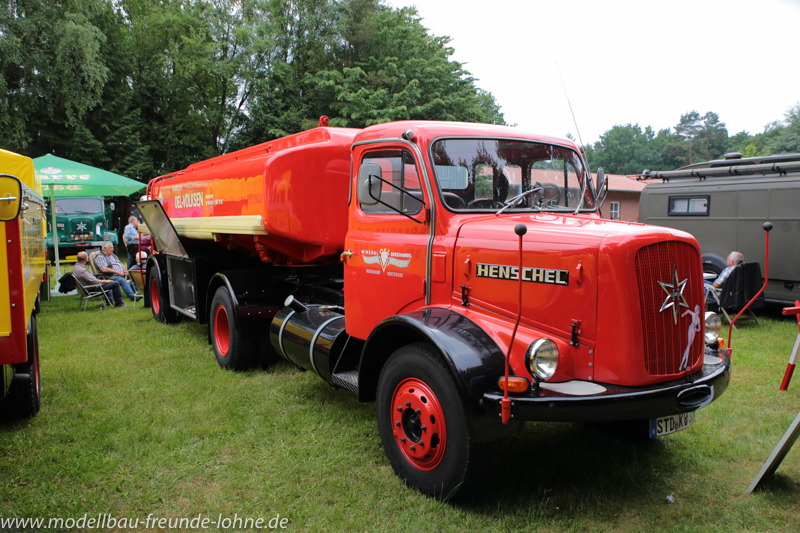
column 721, row 342
column 514, row 384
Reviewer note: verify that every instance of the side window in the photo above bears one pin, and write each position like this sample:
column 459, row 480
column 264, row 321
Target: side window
column 696, row 205
column 614, row 212
column 401, row 189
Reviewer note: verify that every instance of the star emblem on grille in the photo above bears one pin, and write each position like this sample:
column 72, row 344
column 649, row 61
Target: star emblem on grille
column 81, row 226
column 674, row 291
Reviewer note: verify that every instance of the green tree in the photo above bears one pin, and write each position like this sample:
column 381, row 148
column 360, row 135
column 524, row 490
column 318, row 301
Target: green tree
column 787, row 138
column 403, row 74
column 51, row 73
column 624, row 150
column 698, row 138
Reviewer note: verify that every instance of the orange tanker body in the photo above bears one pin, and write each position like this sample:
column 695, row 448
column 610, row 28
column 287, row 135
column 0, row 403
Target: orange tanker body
column 459, row 275
column 290, row 195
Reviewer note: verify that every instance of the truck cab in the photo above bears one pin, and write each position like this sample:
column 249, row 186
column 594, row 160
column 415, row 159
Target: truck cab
column 81, row 222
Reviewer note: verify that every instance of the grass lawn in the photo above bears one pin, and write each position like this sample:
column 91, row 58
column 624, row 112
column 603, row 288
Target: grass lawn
column 137, row 418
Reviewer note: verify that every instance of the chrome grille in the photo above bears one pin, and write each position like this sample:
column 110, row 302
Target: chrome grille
column 665, row 342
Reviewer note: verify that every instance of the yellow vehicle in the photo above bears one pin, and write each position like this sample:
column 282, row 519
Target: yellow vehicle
column 22, row 270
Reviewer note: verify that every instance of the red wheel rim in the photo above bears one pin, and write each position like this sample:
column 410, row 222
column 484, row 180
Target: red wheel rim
column 222, row 330
column 155, row 302
column 418, row 424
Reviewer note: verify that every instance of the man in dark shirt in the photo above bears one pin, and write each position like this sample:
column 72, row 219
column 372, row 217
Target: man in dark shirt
column 85, row 277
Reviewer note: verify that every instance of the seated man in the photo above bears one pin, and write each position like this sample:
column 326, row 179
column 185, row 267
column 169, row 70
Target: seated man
column 140, row 257
column 85, row 277
column 734, row 259
column 109, row 264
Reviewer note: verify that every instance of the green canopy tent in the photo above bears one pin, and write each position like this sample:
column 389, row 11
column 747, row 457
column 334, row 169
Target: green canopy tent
column 65, row 178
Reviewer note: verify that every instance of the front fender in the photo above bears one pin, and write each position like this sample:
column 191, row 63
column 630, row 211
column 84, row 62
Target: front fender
column 472, row 356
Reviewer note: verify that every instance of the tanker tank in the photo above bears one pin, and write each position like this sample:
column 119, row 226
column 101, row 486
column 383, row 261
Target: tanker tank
column 285, row 200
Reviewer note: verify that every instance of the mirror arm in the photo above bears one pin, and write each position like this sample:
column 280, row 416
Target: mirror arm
column 602, row 199
column 392, row 207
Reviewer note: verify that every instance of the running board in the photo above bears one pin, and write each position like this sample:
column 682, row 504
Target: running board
column 346, row 380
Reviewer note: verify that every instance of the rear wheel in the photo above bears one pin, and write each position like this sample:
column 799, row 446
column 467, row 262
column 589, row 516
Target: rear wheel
column 162, row 312
column 423, row 422
column 234, row 347
column 24, row 394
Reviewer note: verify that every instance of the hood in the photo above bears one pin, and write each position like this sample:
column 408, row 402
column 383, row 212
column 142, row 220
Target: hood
column 562, row 259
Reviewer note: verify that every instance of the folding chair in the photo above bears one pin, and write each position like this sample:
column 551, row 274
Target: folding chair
column 744, row 282
column 87, row 292
column 93, row 265
column 137, row 277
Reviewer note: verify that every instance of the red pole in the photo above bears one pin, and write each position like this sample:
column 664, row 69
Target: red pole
column 767, row 227
column 505, row 404
column 787, row 377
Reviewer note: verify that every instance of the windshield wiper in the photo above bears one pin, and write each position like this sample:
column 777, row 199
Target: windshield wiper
column 513, row 202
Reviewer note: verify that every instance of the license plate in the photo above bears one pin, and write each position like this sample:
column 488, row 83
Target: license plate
column 670, row 424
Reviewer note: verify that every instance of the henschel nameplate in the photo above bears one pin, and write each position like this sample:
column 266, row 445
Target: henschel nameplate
column 534, row 275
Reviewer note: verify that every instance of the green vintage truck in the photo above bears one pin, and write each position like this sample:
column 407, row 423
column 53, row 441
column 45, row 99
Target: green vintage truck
column 81, row 223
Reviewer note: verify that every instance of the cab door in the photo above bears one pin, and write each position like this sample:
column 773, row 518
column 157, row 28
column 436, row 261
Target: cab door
column 387, row 240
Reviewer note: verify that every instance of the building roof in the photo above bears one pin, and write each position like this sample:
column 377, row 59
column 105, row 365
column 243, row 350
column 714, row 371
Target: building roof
column 619, row 183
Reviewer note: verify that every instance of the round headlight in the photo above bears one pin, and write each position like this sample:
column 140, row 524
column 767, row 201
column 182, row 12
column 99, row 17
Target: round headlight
column 542, row 358
column 713, row 325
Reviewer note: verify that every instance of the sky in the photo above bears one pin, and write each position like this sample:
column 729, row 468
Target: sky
column 625, row 62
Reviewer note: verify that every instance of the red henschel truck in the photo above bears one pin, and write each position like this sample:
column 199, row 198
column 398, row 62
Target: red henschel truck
column 386, row 260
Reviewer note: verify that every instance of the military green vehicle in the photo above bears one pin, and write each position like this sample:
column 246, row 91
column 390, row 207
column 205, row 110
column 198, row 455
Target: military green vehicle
column 81, row 223
column 723, row 203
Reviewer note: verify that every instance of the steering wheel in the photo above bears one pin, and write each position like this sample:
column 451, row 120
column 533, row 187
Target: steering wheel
column 551, row 193
column 485, row 203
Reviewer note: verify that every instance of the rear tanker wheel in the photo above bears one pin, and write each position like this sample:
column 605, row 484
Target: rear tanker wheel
column 160, row 308
column 234, row 345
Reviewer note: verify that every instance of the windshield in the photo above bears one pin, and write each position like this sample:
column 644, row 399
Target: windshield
column 78, row 206
column 488, row 174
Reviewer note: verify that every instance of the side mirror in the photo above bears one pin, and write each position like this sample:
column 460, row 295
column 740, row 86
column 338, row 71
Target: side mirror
column 601, row 189
column 10, row 197
column 112, row 206
column 369, row 184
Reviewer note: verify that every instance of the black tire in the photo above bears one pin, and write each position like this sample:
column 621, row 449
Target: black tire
column 234, row 346
column 159, row 302
column 423, row 423
column 24, row 394
column 711, row 268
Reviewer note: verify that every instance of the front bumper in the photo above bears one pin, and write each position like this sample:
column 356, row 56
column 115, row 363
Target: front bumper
column 586, row 402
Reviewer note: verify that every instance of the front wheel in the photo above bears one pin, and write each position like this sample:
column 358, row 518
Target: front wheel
column 423, row 423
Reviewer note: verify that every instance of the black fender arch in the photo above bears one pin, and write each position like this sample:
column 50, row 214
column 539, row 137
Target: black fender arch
column 471, row 355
